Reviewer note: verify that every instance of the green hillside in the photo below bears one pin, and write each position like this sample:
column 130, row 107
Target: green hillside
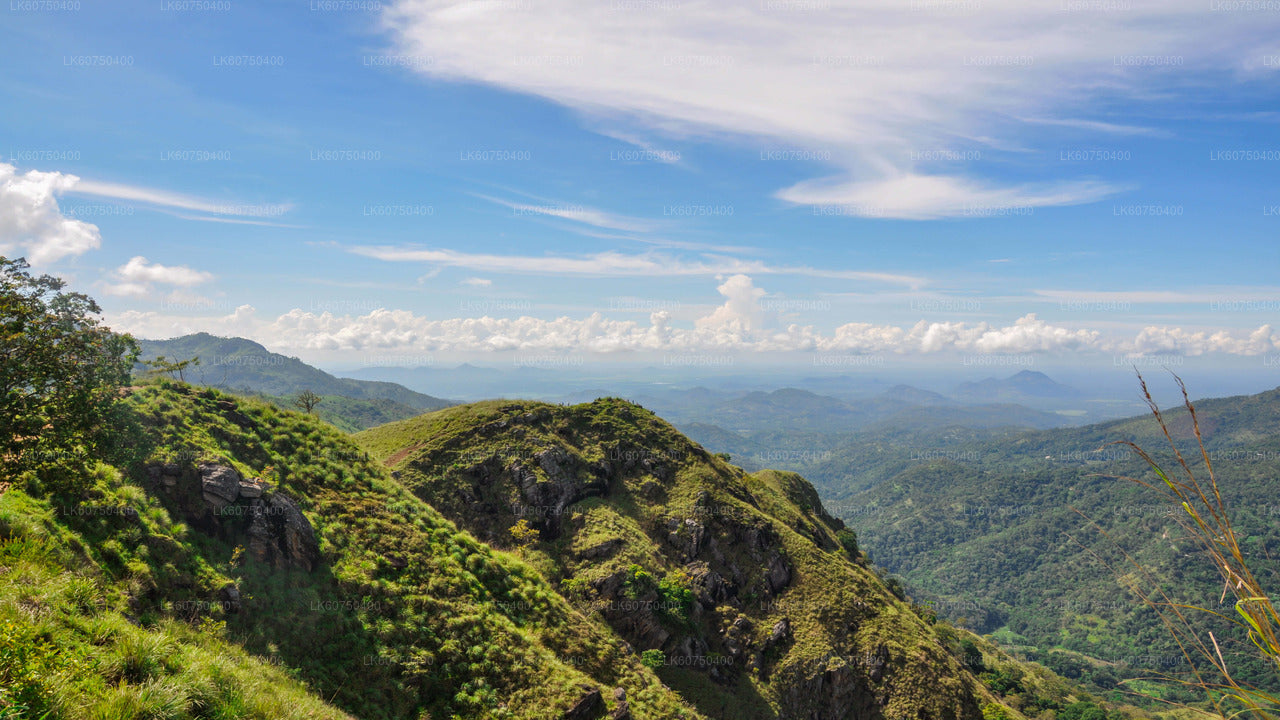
column 744, row 593
column 245, row 366
column 1025, row 536
column 333, row 572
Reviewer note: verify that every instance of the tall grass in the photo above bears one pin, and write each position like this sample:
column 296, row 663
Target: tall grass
column 1206, row 519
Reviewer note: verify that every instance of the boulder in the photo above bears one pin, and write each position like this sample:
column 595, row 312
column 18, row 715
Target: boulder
column 251, row 488
column 220, row 485
column 778, row 574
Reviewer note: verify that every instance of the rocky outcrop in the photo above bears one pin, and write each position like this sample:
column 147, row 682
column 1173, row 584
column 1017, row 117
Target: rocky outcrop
column 563, row 486
column 215, row 498
column 589, row 707
column 280, row 535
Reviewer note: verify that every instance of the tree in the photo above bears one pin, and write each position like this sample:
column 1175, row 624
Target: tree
column 61, row 372
column 307, row 401
column 971, row 656
column 849, row 541
column 174, row 368
column 523, row 534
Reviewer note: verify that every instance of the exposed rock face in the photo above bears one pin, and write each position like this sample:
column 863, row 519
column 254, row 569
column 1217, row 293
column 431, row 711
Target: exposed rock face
column 634, row 618
column 276, row 531
column 589, row 707
column 279, row 533
column 562, row 487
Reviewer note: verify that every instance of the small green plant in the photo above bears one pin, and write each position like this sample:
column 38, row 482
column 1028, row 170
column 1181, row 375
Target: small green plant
column 653, row 658
column 523, row 534
column 992, row 711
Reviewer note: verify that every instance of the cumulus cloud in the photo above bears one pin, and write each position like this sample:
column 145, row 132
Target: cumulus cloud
column 242, row 322
column 1176, row 341
column 32, row 225
column 740, row 324
column 741, row 311
column 139, row 276
column 880, row 86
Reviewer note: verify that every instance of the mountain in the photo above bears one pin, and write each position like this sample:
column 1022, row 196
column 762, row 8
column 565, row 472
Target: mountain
column 242, row 561
column 1025, row 535
column 916, row 396
column 245, row 366
column 746, row 595
column 802, row 411
column 231, row 559
column 1027, row 385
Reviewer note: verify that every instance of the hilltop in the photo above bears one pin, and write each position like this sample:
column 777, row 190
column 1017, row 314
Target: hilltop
column 245, row 366
column 746, row 595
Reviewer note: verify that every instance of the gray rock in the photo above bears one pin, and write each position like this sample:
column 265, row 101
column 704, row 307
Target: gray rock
column 250, row 488
column 220, row 485
column 781, row 631
column 778, row 574
column 279, row 534
column 229, row 596
column 589, row 707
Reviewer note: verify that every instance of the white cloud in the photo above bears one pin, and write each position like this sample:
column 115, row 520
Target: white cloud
column 477, row 282
column 166, row 199
column 32, row 225
column 575, row 212
column 870, row 80
column 243, row 322
column 1176, row 341
column 741, row 310
column 137, row 277
column 913, row 196
column 615, row 264
column 738, row 325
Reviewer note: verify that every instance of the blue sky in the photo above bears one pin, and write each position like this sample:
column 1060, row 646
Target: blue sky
column 629, row 177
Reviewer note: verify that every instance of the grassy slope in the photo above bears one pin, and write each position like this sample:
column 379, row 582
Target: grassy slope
column 468, row 462
column 405, row 616
column 70, row 645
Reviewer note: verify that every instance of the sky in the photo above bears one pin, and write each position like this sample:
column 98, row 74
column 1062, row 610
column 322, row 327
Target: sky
column 928, row 180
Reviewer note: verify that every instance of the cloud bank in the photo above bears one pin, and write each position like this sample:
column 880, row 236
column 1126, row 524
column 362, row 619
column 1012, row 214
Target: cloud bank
column 739, row 325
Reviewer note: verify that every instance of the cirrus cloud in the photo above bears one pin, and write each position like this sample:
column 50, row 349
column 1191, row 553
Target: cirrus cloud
column 881, row 85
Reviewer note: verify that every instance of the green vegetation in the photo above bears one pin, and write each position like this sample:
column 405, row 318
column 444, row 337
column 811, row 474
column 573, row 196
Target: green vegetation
column 60, row 370
column 194, row 554
column 1208, row 523
column 740, row 589
column 1017, row 537
column 71, row 648
column 244, row 366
